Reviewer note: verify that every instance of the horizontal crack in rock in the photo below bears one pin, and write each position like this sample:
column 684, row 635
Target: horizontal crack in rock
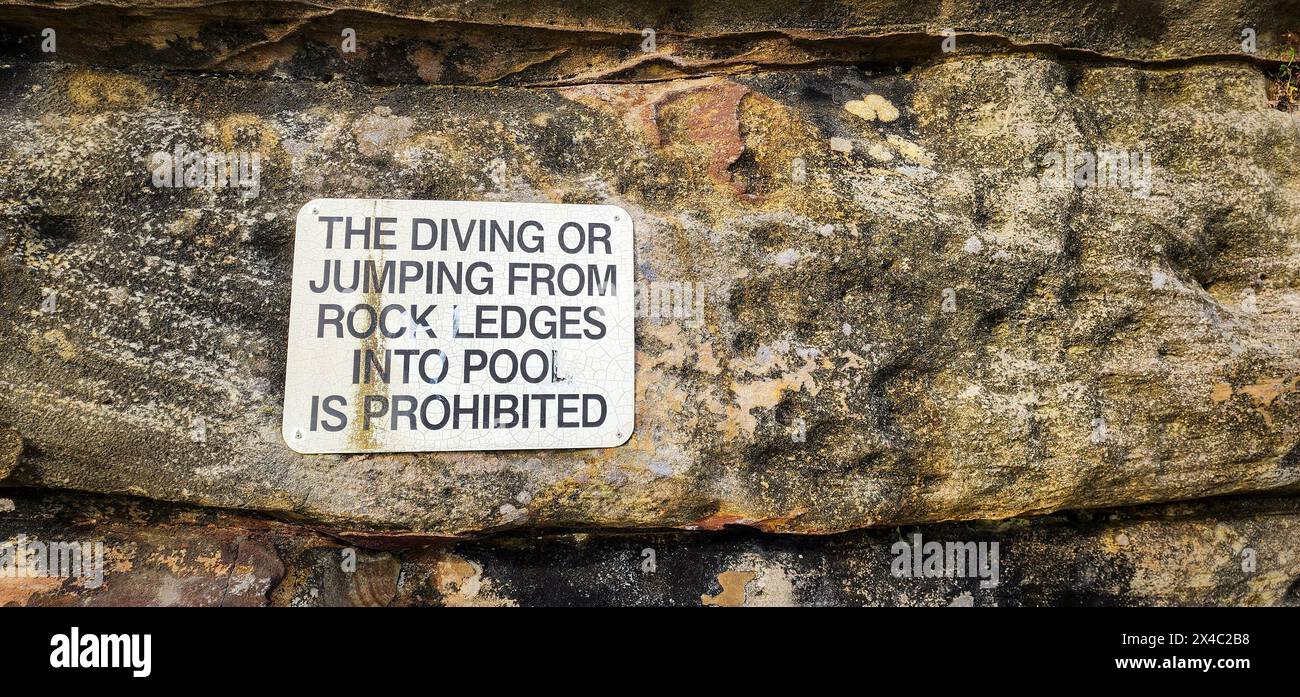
column 302, row 40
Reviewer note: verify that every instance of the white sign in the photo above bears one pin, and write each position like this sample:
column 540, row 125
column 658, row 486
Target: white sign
column 457, row 325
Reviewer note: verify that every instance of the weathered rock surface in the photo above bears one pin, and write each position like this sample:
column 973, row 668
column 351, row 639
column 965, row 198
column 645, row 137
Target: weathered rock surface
column 517, row 42
column 901, row 322
column 11, row 448
column 1226, row 552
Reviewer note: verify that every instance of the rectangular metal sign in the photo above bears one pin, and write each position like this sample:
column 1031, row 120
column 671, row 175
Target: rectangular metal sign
column 458, row 325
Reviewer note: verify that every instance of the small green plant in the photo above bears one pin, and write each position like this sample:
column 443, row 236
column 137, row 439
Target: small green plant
column 1287, row 87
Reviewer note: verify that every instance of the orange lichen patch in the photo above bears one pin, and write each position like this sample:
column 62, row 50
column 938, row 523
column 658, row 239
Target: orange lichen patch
column 707, row 362
column 733, row 589
column 660, row 393
column 120, row 558
column 683, row 114
column 1262, row 394
column 55, row 340
column 88, row 90
column 177, row 563
column 676, row 353
column 760, row 394
column 852, row 361
column 667, row 396
column 1265, row 392
column 243, row 130
column 766, row 393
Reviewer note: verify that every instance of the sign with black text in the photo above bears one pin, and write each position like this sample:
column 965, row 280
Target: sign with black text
column 457, row 325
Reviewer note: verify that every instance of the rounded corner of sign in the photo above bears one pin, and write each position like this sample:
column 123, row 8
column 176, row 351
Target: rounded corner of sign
column 289, row 441
column 622, row 441
column 303, row 210
column 620, row 212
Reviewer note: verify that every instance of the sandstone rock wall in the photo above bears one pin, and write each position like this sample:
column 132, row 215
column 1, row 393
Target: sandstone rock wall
column 896, row 315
